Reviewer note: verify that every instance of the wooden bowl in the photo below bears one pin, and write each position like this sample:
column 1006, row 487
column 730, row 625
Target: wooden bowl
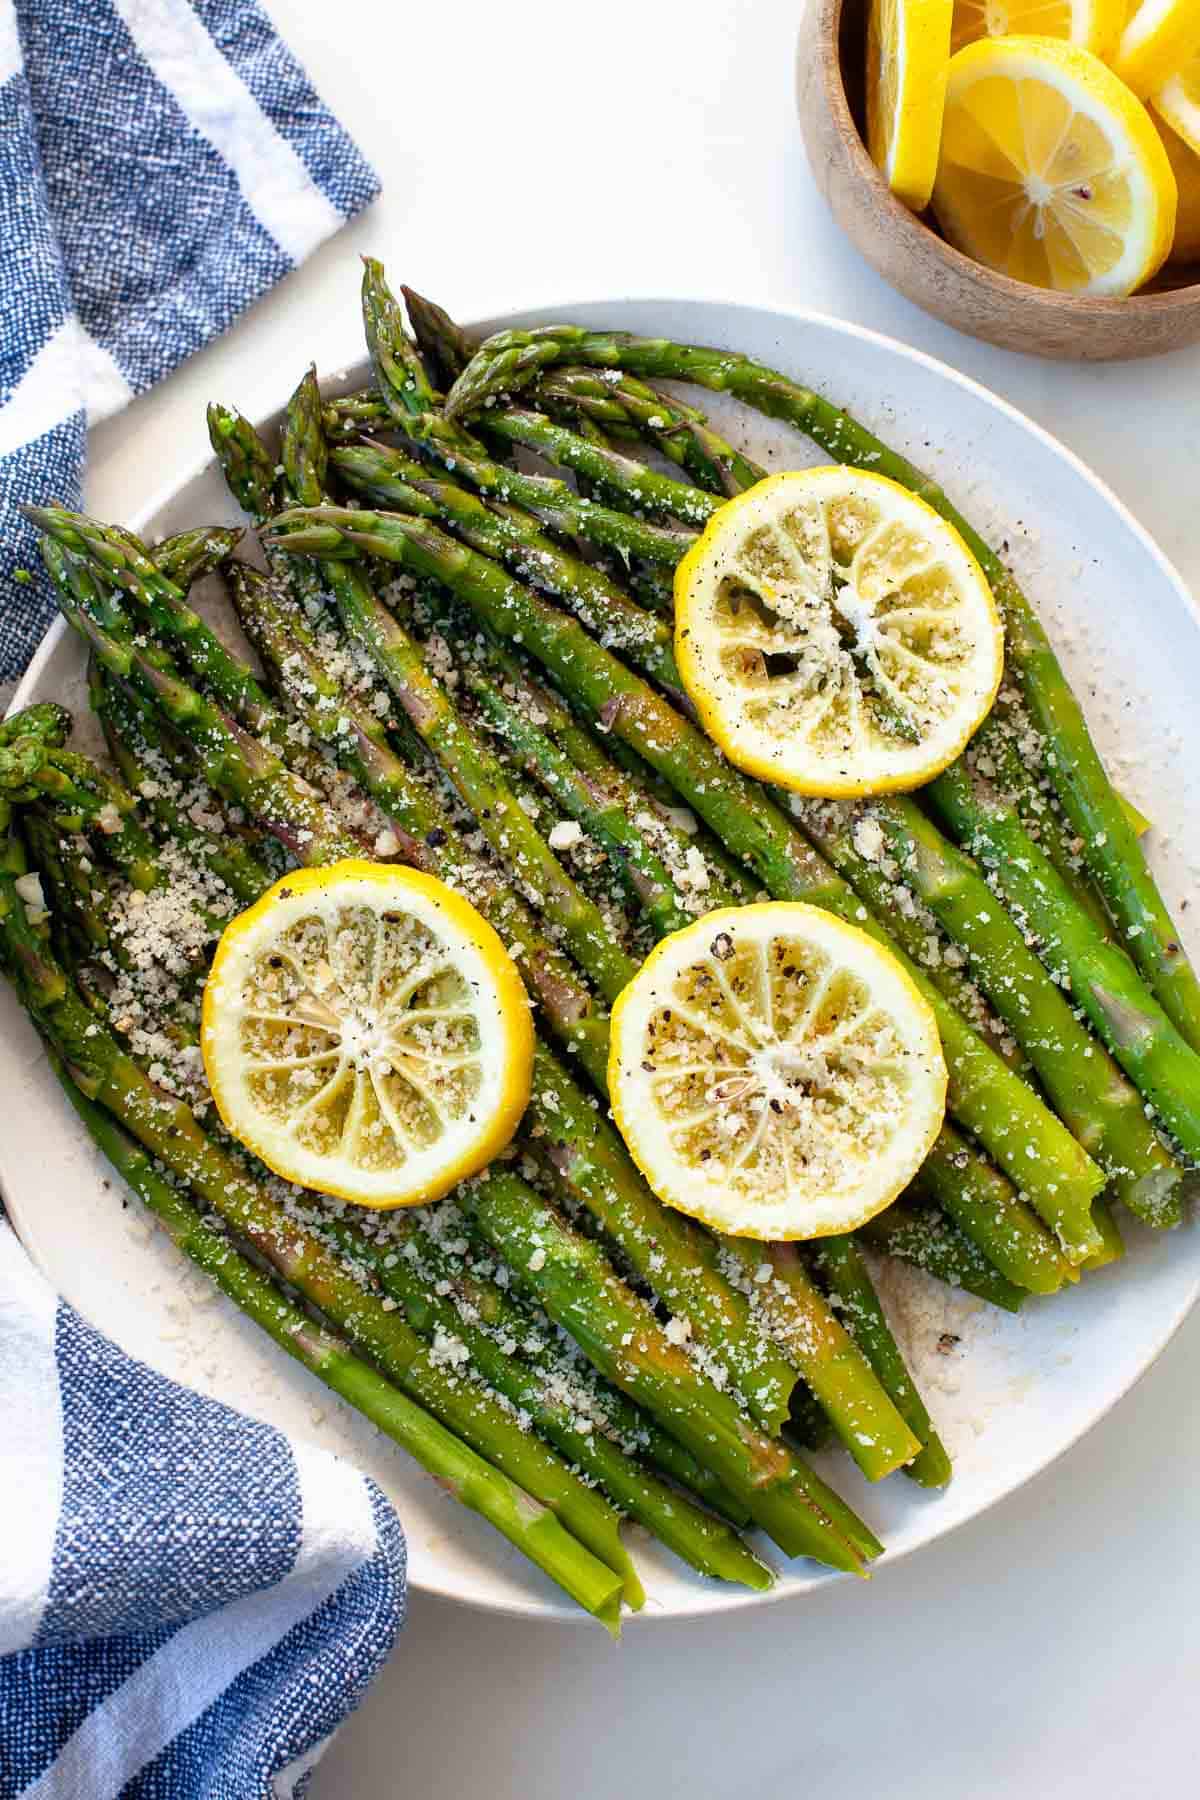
column 909, row 253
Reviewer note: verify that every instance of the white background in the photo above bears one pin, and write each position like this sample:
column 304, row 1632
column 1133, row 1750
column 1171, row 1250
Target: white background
column 538, row 149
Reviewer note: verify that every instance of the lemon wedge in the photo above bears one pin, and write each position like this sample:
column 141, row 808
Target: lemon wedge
column 1094, row 25
column 1185, row 246
column 776, row 1073
column 908, row 51
column 1159, row 39
column 365, row 1033
column 835, row 635
column 1178, row 102
column 1051, row 171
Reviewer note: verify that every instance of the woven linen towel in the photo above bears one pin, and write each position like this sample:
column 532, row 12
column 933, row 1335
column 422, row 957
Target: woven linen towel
column 189, row 1603
column 162, row 163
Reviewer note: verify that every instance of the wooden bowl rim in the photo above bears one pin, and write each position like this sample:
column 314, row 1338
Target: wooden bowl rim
column 1101, row 308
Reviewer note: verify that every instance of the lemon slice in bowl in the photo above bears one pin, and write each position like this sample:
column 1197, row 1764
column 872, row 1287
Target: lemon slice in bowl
column 1159, row 39
column 1051, row 171
column 365, row 1033
column 1185, row 163
column 775, row 1072
column 835, row 635
column 1094, row 25
column 1178, row 103
column 908, row 50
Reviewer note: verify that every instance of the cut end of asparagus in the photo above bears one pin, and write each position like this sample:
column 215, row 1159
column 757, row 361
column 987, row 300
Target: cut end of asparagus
column 933, row 1468
column 1159, row 1198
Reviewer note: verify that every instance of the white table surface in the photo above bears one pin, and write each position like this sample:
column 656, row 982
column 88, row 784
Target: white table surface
column 532, row 150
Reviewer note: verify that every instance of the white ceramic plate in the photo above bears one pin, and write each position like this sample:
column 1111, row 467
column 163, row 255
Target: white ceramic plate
column 1014, row 1393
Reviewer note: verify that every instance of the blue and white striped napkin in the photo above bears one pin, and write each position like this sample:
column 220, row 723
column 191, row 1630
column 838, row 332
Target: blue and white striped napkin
column 189, row 1603
column 162, row 163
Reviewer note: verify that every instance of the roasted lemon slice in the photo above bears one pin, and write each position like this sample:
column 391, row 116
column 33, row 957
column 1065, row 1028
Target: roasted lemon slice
column 835, row 634
column 908, row 52
column 366, row 1034
column 776, row 1073
column 1051, row 171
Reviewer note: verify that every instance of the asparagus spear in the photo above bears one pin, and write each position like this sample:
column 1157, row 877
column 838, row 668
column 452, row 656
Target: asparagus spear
column 1110, row 844
column 669, row 1251
column 118, row 561
column 444, row 345
column 80, row 796
column 233, row 762
column 189, row 555
column 620, row 476
column 498, row 530
column 844, row 1272
column 355, row 734
column 571, row 512
column 559, row 506
column 46, row 721
column 410, row 403
column 418, row 1281
column 348, row 417
column 73, row 886
column 987, row 1097
column 567, row 1274
column 629, row 782
column 134, row 740
column 926, row 1238
column 479, row 779
column 687, row 1268
column 388, row 478
column 1009, row 751
column 450, row 1247
column 532, row 1528
column 509, row 361
column 832, row 826
column 1002, row 743
column 623, row 405
column 968, row 1188
column 642, row 870
column 984, row 1205
column 1141, row 1037
column 82, row 586
column 1091, row 1095
column 252, row 475
column 798, row 1318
